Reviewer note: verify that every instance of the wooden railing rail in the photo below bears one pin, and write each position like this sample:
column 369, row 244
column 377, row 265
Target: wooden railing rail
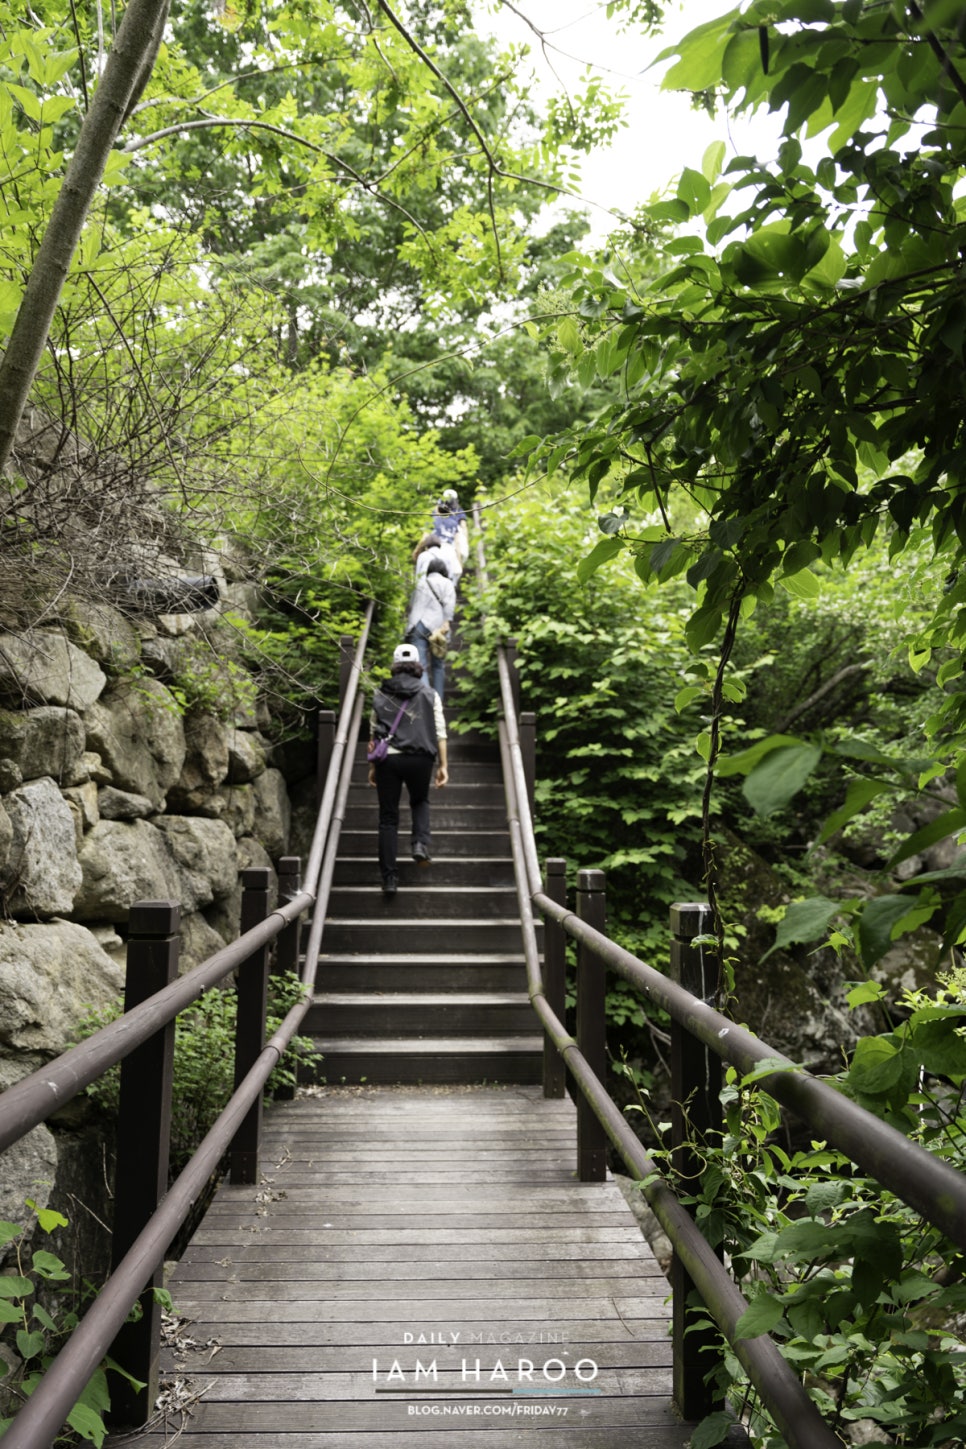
column 702, row 1039
column 151, row 1224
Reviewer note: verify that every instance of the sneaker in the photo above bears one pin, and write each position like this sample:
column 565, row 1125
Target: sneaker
column 421, row 853
column 389, row 885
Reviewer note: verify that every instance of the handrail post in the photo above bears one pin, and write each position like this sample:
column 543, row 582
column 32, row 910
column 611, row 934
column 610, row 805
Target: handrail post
column 252, row 989
column 591, row 1024
column 324, row 745
column 554, row 976
column 527, row 734
column 695, row 1116
column 143, row 1143
column 289, row 937
column 289, row 944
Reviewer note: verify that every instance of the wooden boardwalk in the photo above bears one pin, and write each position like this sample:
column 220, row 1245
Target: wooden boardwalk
column 417, row 1263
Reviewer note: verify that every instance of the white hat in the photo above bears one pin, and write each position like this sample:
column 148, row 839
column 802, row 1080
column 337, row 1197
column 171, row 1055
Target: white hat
column 450, row 495
column 405, row 654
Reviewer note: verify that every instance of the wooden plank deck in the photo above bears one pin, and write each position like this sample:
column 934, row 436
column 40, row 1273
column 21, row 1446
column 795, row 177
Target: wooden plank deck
column 418, row 1262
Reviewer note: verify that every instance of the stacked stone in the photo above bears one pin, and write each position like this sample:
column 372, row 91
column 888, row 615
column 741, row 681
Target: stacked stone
column 109, row 794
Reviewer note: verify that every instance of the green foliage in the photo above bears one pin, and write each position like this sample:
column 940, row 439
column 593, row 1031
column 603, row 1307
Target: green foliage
column 206, row 680
column 863, row 1298
column 204, row 1060
column 34, row 1326
column 618, row 783
column 786, row 389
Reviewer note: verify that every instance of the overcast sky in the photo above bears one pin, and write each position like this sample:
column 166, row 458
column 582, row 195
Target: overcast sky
column 665, row 134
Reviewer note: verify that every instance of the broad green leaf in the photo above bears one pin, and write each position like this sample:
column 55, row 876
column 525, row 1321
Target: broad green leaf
column 703, row 628
column 711, row 1431
column 761, row 1316
column 803, row 585
column 746, row 760
column 13, row 1285
column 28, row 100
column 866, row 991
column 568, row 335
column 861, row 792
column 805, row 921
column 88, row 1423
column 876, row 1065
column 875, row 925
column 694, row 190
column 31, row 1342
column 940, row 1047
column 951, row 822
column 601, row 553
column 48, row 1265
column 780, row 776
column 699, row 66
column 713, row 160
column 48, row 1218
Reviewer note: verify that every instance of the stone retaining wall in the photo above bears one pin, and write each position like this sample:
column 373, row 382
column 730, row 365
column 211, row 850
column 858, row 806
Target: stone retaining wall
column 109, row 794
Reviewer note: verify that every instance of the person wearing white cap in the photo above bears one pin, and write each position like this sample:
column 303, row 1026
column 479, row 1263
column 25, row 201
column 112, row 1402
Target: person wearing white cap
column 408, row 714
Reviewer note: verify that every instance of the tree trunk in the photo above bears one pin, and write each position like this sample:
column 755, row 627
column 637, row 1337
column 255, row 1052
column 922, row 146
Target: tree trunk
column 124, row 75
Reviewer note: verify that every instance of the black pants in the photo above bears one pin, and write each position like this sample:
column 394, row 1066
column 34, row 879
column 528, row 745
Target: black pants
column 416, row 773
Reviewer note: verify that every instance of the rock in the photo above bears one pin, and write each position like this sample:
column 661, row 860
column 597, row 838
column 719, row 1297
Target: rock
column 235, row 805
column 103, row 632
column 246, row 758
column 27, row 1167
column 6, row 840
column 244, row 599
column 161, row 655
column 225, row 914
column 137, row 731
column 96, row 768
column 205, row 764
column 40, row 666
column 48, row 740
column 11, row 776
column 42, row 874
column 124, row 862
column 116, row 804
column 305, row 812
column 82, row 803
column 51, row 976
column 199, row 940
column 174, row 625
column 204, row 852
column 273, row 813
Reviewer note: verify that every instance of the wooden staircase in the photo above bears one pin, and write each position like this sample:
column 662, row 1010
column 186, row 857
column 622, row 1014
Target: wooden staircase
column 429, row 986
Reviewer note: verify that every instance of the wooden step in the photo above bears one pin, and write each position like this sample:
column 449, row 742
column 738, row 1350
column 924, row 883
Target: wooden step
column 458, row 871
column 466, row 819
column 447, row 841
column 419, row 1014
column 431, row 1059
column 384, row 931
column 422, row 971
column 418, row 898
